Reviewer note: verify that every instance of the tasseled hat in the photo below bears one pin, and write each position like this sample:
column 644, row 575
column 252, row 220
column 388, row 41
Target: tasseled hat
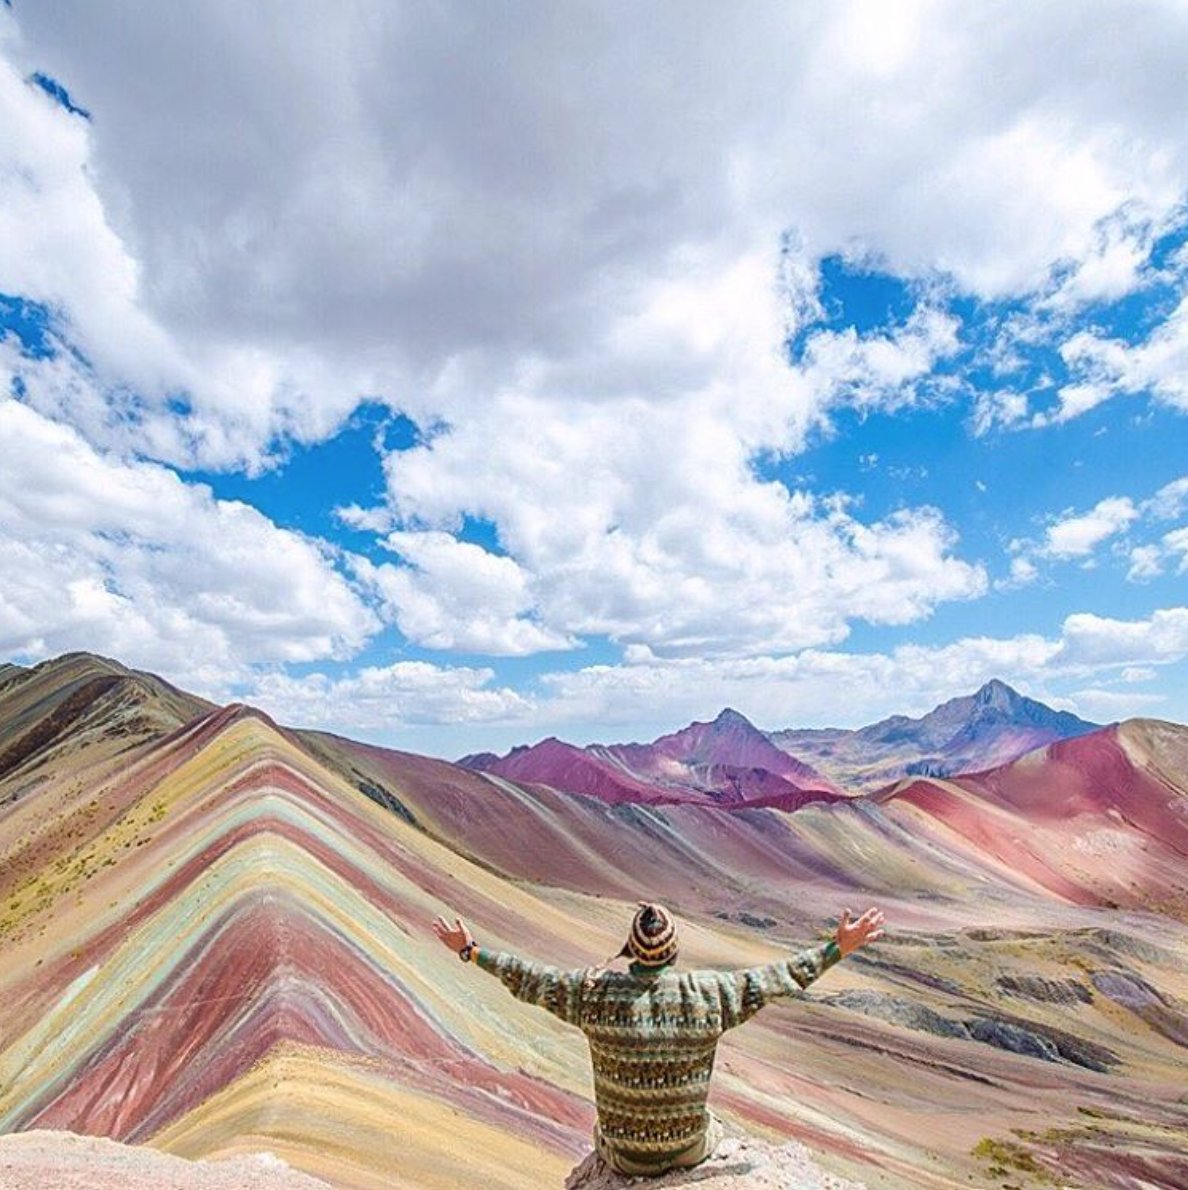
column 653, row 938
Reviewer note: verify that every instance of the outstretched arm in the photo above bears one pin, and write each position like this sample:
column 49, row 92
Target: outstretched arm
column 556, row 991
column 743, row 993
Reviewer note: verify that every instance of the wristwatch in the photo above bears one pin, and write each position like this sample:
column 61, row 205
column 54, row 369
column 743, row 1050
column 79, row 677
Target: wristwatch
column 468, row 950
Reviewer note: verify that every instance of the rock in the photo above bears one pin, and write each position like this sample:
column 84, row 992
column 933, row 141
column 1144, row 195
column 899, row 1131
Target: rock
column 1014, row 1038
column 739, row 1163
column 1042, row 1041
column 898, row 1012
column 1046, row 991
column 748, row 919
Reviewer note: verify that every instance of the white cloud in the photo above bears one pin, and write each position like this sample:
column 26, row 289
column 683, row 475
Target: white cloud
column 1170, row 501
column 1112, row 267
column 578, row 283
column 1095, row 641
column 276, row 219
column 1145, row 563
column 456, row 595
column 127, row 559
column 849, row 689
column 373, row 520
column 1139, row 673
column 1176, row 542
column 1106, row 706
column 814, row 687
column 378, row 699
column 998, row 407
column 1105, row 368
column 1023, row 572
column 1078, row 536
column 852, row 688
column 646, row 523
column 1073, row 535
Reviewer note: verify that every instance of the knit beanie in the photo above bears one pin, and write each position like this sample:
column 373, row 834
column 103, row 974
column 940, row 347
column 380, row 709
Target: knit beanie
column 653, row 938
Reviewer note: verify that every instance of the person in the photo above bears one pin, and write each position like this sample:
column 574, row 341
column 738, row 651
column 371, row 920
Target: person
column 653, row 1030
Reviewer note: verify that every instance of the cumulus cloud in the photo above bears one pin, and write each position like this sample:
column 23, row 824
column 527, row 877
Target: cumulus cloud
column 1104, row 368
column 1146, row 562
column 647, row 523
column 1078, row 536
column 1114, row 265
column 998, row 408
column 379, row 698
column 848, row 689
column 650, row 693
column 1176, row 542
column 1106, row 706
column 282, row 215
column 1075, row 535
column 128, row 559
column 456, row 595
column 1091, row 640
column 579, row 283
column 1170, row 501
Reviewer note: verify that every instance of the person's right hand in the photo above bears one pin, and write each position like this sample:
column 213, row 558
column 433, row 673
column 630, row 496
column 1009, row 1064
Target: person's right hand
column 455, row 938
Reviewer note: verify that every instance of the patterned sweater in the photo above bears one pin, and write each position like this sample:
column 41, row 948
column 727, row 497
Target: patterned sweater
column 653, row 1035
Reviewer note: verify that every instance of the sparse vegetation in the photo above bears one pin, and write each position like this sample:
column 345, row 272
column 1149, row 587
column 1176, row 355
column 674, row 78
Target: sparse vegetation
column 1006, row 1158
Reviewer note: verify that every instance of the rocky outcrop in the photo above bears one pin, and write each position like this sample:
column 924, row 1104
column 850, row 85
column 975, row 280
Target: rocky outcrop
column 1045, row 991
column 895, row 1011
column 1014, row 1034
column 740, row 1163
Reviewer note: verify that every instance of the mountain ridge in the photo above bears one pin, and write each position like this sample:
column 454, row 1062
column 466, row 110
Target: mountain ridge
column 993, row 726
column 726, row 762
column 729, row 761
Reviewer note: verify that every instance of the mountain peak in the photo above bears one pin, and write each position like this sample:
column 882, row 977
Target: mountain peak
column 997, row 693
column 729, row 717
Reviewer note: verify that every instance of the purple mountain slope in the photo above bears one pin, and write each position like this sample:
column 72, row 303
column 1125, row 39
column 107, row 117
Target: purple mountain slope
column 728, row 762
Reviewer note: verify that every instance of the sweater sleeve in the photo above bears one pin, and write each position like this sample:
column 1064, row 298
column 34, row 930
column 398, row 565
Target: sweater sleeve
column 550, row 988
column 744, row 992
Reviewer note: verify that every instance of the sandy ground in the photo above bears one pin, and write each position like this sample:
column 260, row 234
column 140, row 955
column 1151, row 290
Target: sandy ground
column 64, row 1161
column 740, row 1163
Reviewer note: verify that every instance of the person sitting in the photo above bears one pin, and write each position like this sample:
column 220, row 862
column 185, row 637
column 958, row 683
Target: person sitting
column 653, row 1030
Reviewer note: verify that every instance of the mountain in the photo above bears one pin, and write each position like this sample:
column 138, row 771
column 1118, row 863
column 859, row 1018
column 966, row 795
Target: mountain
column 77, row 701
column 219, row 944
column 991, row 727
column 214, row 940
column 1099, row 819
column 727, row 763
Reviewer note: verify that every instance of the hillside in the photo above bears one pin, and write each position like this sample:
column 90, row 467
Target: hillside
column 213, row 941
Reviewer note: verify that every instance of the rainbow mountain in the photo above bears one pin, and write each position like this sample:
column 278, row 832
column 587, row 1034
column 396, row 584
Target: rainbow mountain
column 214, row 940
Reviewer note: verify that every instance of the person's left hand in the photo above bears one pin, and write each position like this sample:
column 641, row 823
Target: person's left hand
column 455, row 938
column 853, row 934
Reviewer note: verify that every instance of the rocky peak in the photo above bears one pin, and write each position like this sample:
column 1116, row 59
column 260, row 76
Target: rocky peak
column 997, row 694
column 731, row 720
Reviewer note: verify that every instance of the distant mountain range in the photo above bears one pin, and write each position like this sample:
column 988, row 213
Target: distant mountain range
column 991, row 727
column 730, row 763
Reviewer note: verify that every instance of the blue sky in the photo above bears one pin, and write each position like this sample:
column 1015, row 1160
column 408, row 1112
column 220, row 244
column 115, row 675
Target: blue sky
column 351, row 367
